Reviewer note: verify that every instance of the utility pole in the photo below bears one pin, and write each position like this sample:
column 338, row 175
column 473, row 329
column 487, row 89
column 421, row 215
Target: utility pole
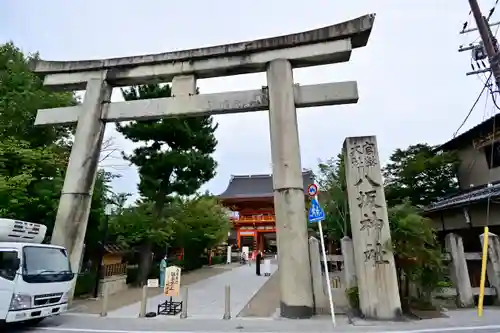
column 487, row 37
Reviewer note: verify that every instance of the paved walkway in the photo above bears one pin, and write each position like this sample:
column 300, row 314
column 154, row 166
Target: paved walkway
column 206, row 297
column 133, row 295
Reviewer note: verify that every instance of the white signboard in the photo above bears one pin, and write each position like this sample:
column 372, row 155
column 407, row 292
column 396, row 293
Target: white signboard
column 172, row 281
column 245, row 250
column 153, row 283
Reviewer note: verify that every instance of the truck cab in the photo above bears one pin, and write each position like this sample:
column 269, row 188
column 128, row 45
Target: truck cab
column 35, row 278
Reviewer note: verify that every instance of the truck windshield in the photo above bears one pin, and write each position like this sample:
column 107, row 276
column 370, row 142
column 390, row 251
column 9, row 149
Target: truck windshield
column 45, row 264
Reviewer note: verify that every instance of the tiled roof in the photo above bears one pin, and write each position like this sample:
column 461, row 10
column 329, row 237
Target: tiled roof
column 256, row 186
column 477, row 131
column 466, row 198
column 114, row 249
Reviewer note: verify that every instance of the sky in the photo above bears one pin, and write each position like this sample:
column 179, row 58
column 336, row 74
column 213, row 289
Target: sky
column 411, row 78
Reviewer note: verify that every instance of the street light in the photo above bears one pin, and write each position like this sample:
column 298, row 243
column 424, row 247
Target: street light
column 108, row 210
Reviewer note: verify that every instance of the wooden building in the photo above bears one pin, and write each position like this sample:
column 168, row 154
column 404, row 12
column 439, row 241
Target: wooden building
column 250, row 200
column 466, row 212
column 477, row 203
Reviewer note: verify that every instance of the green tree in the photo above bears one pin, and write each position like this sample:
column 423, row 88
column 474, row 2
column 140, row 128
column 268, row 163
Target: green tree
column 32, row 159
column 136, row 225
column 421, row 174
column 199, row 223
column 417, row 252
column 101, row 197
column 30, row 181
column 21, row 94
column 174, row 158
column 333, row 197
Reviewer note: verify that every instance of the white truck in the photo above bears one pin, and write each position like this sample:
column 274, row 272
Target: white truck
column 35, row 278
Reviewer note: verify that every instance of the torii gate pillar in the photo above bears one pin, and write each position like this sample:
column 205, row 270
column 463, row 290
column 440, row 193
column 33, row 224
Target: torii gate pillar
column 289, row 205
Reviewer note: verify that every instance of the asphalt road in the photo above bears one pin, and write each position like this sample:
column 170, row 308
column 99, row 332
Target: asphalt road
column 463, row 321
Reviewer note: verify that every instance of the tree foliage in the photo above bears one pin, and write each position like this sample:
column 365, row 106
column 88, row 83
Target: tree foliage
column 173, row 159
column 141, row 224
column 192, row 224
column 33, row 159
column 417, row 252
column 200, row 222
column 333, row 197
column 21, row 95
column 421, row 174
column 175, row 153
column 30, row 181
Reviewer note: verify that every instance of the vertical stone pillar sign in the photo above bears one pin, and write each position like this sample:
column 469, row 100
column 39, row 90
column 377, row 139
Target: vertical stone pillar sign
column 374, row 260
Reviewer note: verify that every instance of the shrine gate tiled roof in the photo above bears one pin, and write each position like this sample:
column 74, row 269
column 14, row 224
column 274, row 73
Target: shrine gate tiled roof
column 466, row 198
column 256, row 186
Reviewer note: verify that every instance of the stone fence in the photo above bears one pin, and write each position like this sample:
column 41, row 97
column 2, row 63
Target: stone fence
column 460, row 273
column 114, row 278
column 343, row 275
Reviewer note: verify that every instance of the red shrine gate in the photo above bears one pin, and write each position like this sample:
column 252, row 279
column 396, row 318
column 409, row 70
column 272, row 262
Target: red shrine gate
column 251, row 200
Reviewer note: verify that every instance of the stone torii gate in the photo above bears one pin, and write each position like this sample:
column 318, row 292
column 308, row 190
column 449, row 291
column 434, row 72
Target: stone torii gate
column 276, row 56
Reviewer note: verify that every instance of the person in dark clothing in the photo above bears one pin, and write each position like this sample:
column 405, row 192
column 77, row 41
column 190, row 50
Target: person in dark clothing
column 257, row 263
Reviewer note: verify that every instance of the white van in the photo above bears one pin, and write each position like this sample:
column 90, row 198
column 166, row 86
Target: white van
column 35, row 278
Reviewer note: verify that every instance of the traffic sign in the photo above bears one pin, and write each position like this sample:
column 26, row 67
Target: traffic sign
column 316, row 213
column 312, row 190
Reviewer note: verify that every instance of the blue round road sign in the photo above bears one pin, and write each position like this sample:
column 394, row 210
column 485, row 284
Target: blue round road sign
column 312, row 190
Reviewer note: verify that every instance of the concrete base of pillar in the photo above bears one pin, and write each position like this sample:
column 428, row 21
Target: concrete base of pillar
column 295, row 312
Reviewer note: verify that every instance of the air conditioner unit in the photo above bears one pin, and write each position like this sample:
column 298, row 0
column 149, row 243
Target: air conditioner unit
column 21, row 231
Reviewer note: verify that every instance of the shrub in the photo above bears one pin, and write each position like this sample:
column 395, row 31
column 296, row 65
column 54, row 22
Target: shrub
column 352, row 295
column 132, row 274
column 85, row 283
column 217, row 260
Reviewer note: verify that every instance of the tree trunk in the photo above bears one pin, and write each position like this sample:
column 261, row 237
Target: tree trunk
column 399, row 273
column 403, row 285
column 145, row 263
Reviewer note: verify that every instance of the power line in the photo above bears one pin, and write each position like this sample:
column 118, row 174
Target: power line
column 473, row 105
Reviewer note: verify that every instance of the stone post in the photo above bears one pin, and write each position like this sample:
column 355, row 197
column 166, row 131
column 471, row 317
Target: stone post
column 289, row 203
column 321, row 304
column 493, row 266
column 459, row 271
column 74, row 205
column 373, row 258
column 349, row 266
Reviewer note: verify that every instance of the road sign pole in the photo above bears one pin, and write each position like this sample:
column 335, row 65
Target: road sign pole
column 327, row 274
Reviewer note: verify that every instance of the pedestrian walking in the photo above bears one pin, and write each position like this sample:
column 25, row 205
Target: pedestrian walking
column 163, row 267
column 257, row 263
